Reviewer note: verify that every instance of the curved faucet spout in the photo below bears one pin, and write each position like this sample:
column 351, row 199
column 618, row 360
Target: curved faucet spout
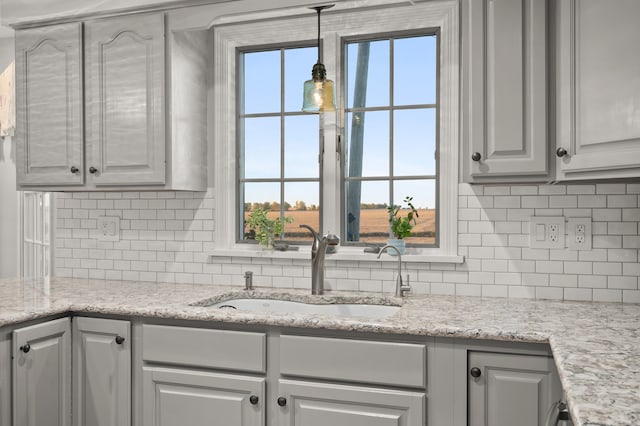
column 401, row 289
column 318, row 251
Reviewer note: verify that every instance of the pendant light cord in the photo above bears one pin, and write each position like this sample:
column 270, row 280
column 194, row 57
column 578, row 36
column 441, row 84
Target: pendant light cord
column 319, row 10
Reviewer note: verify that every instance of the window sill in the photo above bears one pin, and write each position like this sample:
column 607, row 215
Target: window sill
column 343, row 254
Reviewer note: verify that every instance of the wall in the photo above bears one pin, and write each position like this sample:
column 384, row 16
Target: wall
column 8, row 195
column 166, row 237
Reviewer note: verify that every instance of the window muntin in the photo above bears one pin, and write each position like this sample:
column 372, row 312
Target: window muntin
column 277, row 144
column 391, row 133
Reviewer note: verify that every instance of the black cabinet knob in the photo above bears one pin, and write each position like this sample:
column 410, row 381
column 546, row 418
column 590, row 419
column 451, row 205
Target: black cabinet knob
column 253, row 399
column 93, row 170
column 475, row 372
column 561, row 152
column 25, row 348
column 282, row 401
column 74, row 169
column 119, row 340
column 476, row 156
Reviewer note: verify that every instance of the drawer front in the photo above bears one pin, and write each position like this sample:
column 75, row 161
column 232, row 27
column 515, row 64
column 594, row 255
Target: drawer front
column 199, row 347
column 384, row 363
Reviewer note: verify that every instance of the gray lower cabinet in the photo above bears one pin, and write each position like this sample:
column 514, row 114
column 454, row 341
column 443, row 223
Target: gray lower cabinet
column 320, row 404
column 179, row 397
column 42, row 374
column 5, row 378
column 511, row 389
column 101, row 372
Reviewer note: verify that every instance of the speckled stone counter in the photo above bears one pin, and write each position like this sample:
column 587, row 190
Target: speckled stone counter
column 596, row 346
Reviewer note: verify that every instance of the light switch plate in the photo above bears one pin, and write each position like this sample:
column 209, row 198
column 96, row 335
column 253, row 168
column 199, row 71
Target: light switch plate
column 108, row 228
column 546, row 232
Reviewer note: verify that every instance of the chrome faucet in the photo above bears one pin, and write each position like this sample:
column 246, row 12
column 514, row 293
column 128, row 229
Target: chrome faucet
column 318, row 252
column 401, row 289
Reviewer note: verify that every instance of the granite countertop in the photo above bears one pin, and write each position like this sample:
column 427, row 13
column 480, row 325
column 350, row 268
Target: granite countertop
column 596, row 346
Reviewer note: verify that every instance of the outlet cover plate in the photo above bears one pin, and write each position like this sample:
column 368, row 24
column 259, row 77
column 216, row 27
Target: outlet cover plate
column 108, row 228
column 546, row 232
column 579, row 233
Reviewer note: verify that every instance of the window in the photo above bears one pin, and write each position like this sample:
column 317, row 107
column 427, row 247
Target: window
column 390, row 121
column 402, row 113
column 277, row 143
column 36, row 234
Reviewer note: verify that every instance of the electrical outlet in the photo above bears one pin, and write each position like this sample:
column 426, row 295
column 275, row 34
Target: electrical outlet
column 579, row 233
column 546, row 232
column 108, row 228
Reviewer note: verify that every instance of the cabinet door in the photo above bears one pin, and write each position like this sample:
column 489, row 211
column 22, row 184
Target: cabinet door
column 318, row 404
column 511, row 389
column 5, row 379
column 124, row 62
column 598, row 85
column 101, row 372
column 505, row 121
column 49, row 111
column 179, row 397
column 42, row 374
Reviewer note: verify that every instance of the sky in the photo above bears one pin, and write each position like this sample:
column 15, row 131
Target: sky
column 414, row 133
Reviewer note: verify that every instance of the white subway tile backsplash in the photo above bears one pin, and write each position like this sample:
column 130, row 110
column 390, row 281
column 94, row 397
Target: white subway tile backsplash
column 166, row 237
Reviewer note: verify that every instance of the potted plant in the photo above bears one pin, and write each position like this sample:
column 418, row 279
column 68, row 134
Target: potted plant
column 265, row 229
column 401, row 224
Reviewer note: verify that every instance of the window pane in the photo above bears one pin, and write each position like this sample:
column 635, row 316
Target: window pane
column 28, row 216
column 414, row 72
column 368, row 74
column 297, row 69
column 414, row 142
column 301, row 143
column 366, row 217
column 260, row 94
column 303, row 201
column 424, row 200
column 367, row 144
column 261, row 147
column 265, row 195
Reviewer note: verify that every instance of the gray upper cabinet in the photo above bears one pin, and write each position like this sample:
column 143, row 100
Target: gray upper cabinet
column 504, row 85
column 101, row 372
column 42, row 374
column 141, row 94
column 124, row 62
column 598, row 89
column 509, row 389
column 49, row 109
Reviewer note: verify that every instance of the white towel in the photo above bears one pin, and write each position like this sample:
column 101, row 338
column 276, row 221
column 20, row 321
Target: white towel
column 7, row 101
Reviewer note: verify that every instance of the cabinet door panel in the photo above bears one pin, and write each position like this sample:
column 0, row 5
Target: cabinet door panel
column 599, row 89
column 318, row 404
column 512, row 389
column 101, row 373
column 507, row 89
column 42, row 375
column 125, row 99
column 49, row 110
column 178, row 397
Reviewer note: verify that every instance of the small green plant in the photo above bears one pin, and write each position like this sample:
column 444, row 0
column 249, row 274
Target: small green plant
column 265, row 229
column 401, row 226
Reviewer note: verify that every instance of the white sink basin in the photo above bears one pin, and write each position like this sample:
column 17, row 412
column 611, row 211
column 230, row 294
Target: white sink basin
column 287, row 306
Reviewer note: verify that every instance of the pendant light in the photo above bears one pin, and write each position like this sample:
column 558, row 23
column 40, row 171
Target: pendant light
column 318, row 92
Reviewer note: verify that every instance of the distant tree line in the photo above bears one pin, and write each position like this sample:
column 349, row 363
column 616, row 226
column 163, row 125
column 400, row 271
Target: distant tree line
column 300, row 205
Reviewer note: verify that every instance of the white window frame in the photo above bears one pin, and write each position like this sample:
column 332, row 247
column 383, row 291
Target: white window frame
column 347, row 19
column 37, row 242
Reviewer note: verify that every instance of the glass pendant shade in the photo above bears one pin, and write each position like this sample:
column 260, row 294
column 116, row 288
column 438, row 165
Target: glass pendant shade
column 318, row 92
